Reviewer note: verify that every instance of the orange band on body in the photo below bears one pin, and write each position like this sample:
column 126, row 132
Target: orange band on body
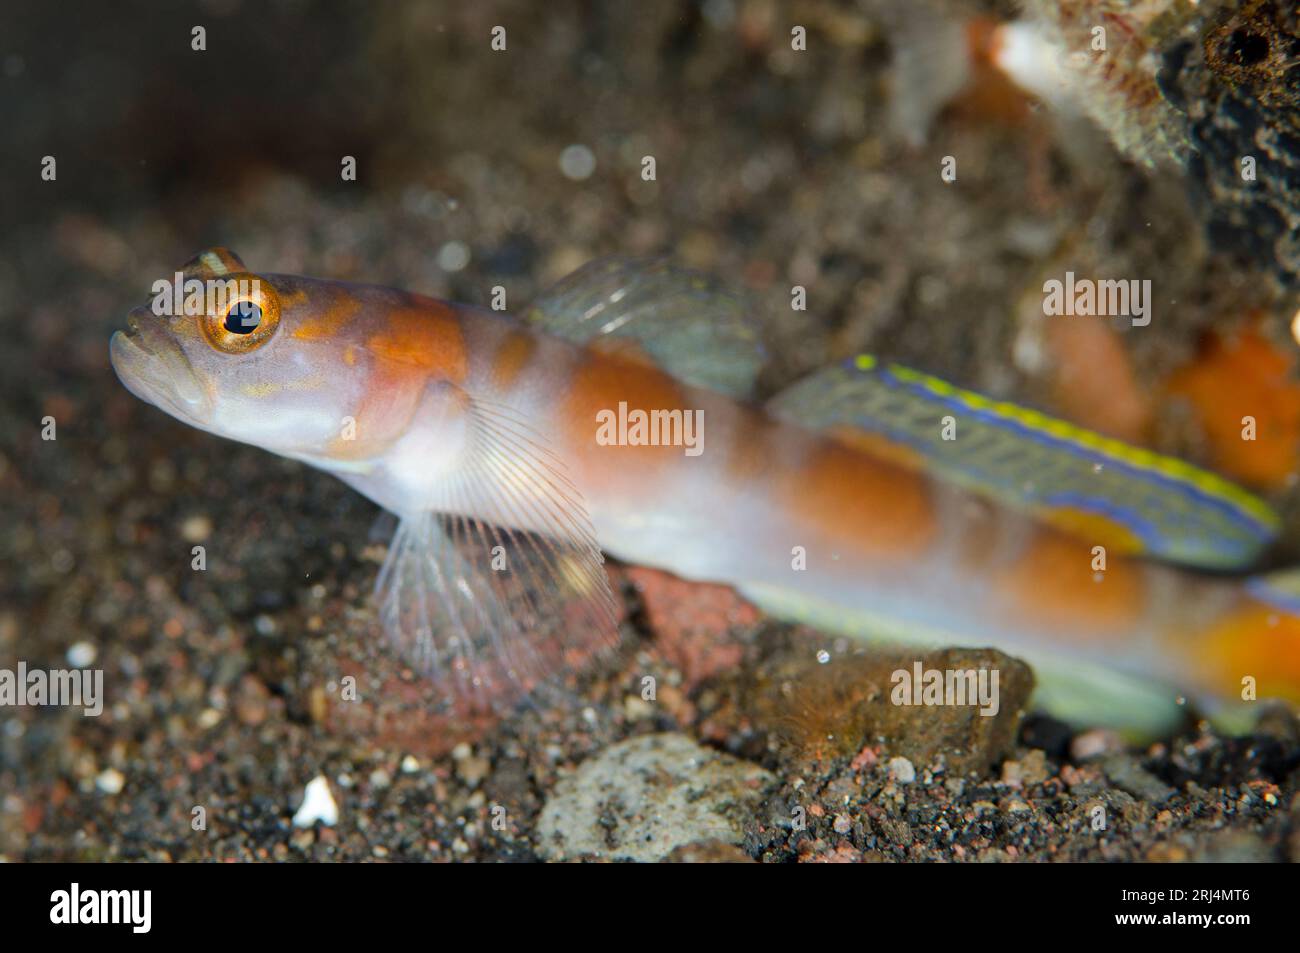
column 600, row 383
column 882, row 510
column 1252, row 640
column 328, row 323
column 1053, row 583
column 428, row 337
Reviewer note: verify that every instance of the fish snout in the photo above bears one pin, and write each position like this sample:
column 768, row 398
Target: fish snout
column 153, row 366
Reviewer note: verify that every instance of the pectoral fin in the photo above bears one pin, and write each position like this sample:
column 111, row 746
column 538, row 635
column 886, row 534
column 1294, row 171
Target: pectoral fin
column 491, row 607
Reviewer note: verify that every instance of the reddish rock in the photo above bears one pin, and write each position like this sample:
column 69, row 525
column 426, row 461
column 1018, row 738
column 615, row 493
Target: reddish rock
column 693, row 623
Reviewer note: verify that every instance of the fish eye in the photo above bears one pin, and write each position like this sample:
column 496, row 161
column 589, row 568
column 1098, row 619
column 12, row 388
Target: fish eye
column 243, row 317
column 248, row 321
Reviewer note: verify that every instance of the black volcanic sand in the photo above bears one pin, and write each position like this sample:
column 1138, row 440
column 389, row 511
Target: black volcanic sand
column 773, row 169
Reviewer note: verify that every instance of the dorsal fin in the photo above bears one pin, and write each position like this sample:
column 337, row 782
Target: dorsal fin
column 1094, row 486
column 683, row 321
column 213, row 263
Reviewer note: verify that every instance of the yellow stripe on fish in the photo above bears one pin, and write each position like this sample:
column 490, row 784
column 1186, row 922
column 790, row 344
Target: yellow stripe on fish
column 1097, row 487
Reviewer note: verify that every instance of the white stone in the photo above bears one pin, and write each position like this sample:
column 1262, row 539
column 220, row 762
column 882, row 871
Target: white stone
column 317, row 805
column 901, row 770
column 110, row 781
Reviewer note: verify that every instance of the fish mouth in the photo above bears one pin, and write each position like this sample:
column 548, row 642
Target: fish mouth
column 152, row 366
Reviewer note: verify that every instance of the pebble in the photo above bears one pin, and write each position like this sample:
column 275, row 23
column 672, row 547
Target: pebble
column 251, row 701
column 643, row 798
column 110, row 781
column 708, row 852
column 196, row 529
column 1029, row 770
column 473, row 770
column 317, row 805
column 1128, row 775
column 901, row 770
column 636, row 708
column 1093, row 744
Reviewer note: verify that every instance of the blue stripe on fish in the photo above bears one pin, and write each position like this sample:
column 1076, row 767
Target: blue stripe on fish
column 1225, row 503
column 1251, row 516
column 1043, row 465
column 1279, row 589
